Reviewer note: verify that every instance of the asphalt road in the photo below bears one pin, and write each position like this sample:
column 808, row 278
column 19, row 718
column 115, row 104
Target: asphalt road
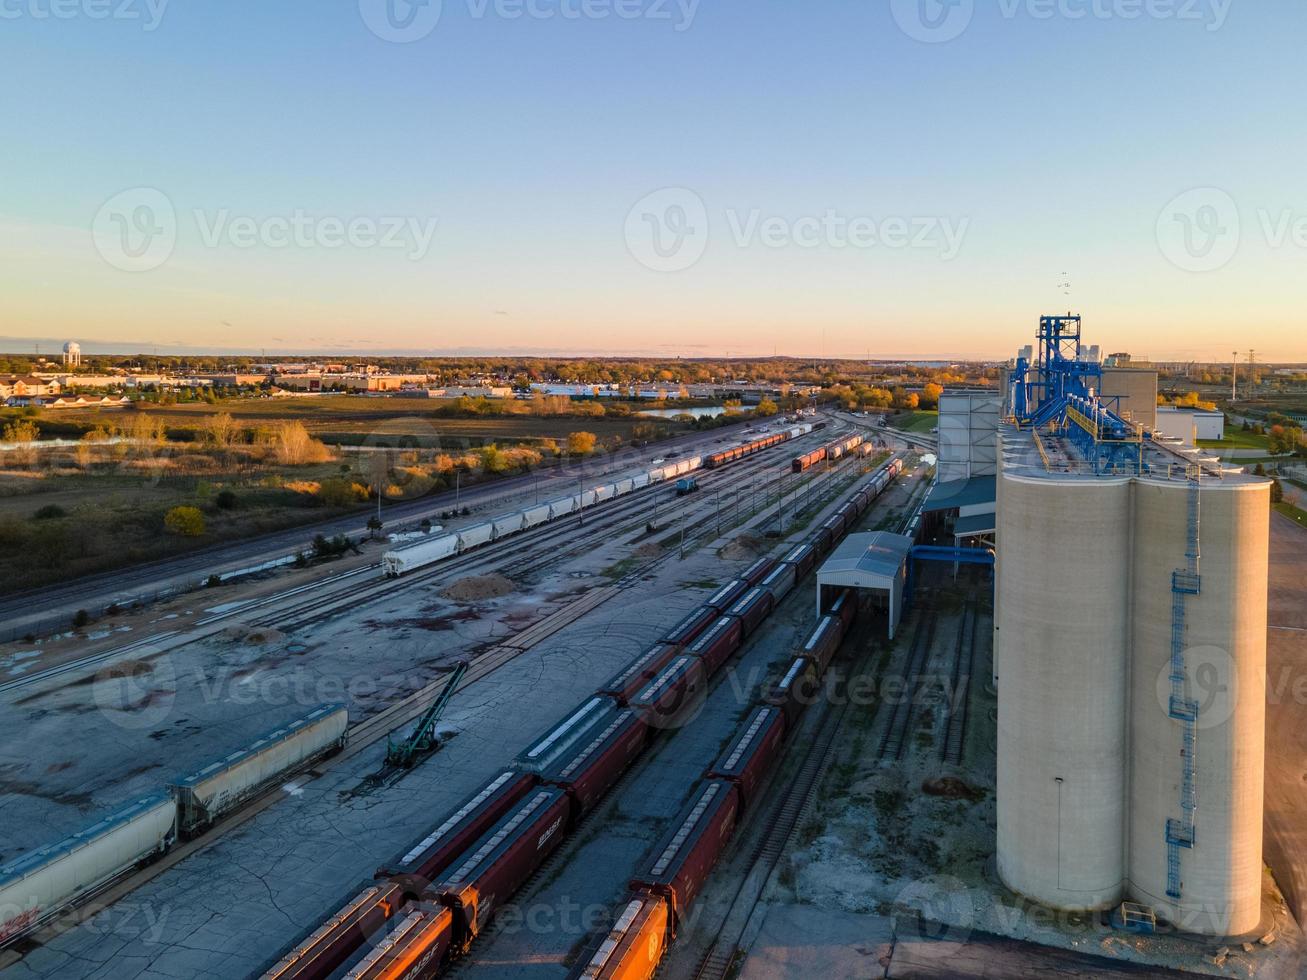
column 50, row 609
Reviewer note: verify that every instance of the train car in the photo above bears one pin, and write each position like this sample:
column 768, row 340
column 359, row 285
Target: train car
column 821, row 540
column 850, row 514
column 329, row 946
column 640, row 481
column 803, row 557
column 725, row 597
column 845, row 607
column 426, row 859
column 717, row 643
column 758, row 571
column 823, row 643
column 632, row 678
column 688, row 629
column 752, row 755
column 501, row 862
column 563, row 506
column 587, row 498
column 673, row 697
column 596, row 763
column 780, row 582
column 508, row 525
column 794, row 691
column 535, row 516
column 623, row 487
column 751, row 609
column 475, row 536
column 405, row 560
column 681, row 861
column 805, row 462
column 205, row 795
column 416, row 949
column 634, row 946
column 553, row 743
column 607, row 492
column 39, row 884
column 658, row 474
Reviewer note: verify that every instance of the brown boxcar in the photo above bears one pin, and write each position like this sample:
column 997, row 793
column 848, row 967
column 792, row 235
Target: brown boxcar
column 808, row 460
column 427, row 858
column 821, row 540
column 634, row 946
column 680, row 863
column 674, row 697
column 721, row 599
column 802, row 557
column 341, row 936
column 823, row 642
column 590, row 770
column 758, row 571
column 552, row 744
column 752, row 754
column 849, row 512
column 796, row 689
column 415, row 950
column 718, row 642
column 629, row 682
column 688, row 629
column 780, row 582
column 845, row 607
column 752, row 608
column 499, row 863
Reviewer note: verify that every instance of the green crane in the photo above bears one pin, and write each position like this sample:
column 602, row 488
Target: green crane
column 423, row 737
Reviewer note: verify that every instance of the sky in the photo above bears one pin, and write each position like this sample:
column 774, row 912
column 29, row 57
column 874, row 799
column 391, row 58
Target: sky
column 657, row 177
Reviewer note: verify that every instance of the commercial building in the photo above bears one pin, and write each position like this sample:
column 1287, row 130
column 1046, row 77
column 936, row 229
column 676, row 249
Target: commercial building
column 1190, row 425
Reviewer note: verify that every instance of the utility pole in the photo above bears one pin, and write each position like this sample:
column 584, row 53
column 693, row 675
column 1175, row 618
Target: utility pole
column 1234, row 379
column 458, row 479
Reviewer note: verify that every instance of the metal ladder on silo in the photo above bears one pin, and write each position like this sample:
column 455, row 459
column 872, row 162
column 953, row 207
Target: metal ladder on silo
column 1185, row 582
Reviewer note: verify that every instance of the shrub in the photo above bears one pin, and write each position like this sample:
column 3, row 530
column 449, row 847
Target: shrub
column 81, row 619
column 581, row 443
column 341, row 493
column 186, row 522
column 226, row 500
column 50, row 512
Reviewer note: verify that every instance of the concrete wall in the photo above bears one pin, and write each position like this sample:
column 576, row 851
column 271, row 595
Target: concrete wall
column 968, row 422
column 1225, row 654
column 1137, row 389
column 1061, row 628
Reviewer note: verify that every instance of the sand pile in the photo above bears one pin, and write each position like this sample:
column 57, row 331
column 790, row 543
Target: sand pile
column 650, row 549
column 475, row 588
column 743, row 547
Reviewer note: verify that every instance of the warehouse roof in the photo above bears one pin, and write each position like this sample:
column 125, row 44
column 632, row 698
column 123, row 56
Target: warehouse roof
column 877, row 554
column 961, row 493
column 975, row 524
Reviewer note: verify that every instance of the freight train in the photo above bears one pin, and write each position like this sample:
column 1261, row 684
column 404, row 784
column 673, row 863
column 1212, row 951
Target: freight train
column 440, row 894
column 428, row 552
column 832, row 451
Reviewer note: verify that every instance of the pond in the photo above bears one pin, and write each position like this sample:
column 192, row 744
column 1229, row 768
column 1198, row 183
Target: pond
column 710, row 412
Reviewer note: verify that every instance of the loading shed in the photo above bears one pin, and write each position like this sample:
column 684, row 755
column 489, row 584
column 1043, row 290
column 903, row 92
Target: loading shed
column 875, row 562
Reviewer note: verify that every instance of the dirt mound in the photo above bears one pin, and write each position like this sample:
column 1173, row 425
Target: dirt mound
column 475, row 588
column 742, row 548
column 952, row 788
column 650, row 549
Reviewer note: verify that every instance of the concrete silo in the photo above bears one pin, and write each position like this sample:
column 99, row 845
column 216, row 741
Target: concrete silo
column 1062, row 626
column 1205, row 877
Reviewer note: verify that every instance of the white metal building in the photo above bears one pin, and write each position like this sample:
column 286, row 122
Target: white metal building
column 1190, row 424
column 876, row 562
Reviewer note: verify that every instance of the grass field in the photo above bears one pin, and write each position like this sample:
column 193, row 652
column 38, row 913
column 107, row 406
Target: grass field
column 1296, row 514
column 919, row 422
column 1236, row 438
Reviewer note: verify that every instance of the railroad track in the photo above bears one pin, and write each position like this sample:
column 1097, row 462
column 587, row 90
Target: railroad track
column 898, row 724
column 959, row 695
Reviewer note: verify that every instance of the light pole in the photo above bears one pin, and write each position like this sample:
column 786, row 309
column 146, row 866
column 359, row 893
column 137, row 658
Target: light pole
column 1234, row 379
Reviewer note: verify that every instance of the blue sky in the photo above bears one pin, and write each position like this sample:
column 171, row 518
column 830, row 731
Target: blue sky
column 502, row 156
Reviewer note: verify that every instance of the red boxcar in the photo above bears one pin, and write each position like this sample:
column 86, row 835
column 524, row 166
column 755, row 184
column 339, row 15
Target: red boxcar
column 681, row 862
column 823, row 643
column 634, row 946
column 718, row 642
column 779, row 583
column 752, row 608
column 422, row 863
column 628, row 683
column 688, row 629
column 845, row 607
column 500, row 862
column 555, row 741
column 802, row 557
column 752, row 755
column 758, row 571
column 722, row 599
column 674, row 697
column 798, row 688
column 415, row 950
column 341, row 936
column 592, row 767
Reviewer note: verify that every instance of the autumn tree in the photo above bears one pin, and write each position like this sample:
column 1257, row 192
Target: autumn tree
column 581, row 443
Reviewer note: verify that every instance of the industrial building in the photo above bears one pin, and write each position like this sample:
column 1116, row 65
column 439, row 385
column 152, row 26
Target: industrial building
column 1130, row 653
